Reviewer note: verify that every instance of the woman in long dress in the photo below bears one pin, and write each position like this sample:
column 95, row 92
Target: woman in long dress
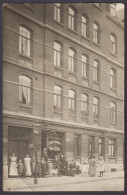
column 13, row 172
column 27, row 162
column 101, row 167
column 92, row 166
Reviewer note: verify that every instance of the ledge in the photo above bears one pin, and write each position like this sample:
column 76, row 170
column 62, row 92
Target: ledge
column 115, row 55
column 86, row 38
column 75, row 32
column 24, row 105
column 97, row 44
column 59, row 23
column 29, row 58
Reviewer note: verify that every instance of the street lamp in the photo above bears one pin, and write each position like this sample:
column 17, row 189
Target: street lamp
column 36, row 126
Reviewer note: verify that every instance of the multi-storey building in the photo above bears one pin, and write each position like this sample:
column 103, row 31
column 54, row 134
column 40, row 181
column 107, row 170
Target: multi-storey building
column 63, row 66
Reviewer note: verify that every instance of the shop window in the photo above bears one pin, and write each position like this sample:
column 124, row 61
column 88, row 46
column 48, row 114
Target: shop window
column 85, row 26
column 72, row 61
column 112, row 78
column 112, row 112
column 96, row 33
column 113, row 44
column 72, row 19
column 24, row 41
column 57, row 12
column 112, row 147
column 95, row 108
column 57, row 97
column 72, row 101
column 25, row 91
column 96, row 71
column 57, row 54
column 84, row 105
column 77, row 145
column 101, row 146
column 85, row 65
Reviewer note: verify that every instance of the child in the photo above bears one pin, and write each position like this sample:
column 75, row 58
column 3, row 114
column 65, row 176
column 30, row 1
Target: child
column 20, row 168
column 84, row 169
column 101, row 167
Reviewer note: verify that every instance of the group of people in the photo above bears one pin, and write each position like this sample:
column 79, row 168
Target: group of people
column 60, row 164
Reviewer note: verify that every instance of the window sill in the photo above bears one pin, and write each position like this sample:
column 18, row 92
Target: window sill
column 97, row 44
column 83, row 77
column 111, row 123
column 112, row 89
column 85, row 38
column 73, row 31
column 96, row 82
column 96, row 119
column 58, row 111
column 113, row 157
column 71, row 114
column 73, row 73
column 24, row 105
column 59, row 23
column 26, row 56
column 113, row 54
column 85, row 117
column 57, row 67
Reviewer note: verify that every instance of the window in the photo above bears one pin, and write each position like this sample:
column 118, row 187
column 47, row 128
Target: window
column 72, row 61
column 112, row 78
column 84, row 66
column 25, row 90
column 57, row 12
column 71, row 18
column 113, row 9
column 113, row 44
column 84, row 105
column 57, row 97
column 112, row 112
column 57, row 54
column 112, row 147
column 84, row 26
column 101, row 146
column 96, row 33
column 77, row 145
column 96, row 75
column 72, row 101
column 24, row 41
column 95, row 108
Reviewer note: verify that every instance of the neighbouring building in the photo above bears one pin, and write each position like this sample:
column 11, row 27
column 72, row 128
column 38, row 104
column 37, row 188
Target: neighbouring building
column 63, row 66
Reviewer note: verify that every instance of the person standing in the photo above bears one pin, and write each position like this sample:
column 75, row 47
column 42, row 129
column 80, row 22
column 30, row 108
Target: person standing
column 13, row 171
column 56, row 164
column 92, row 166
column 84, row 169
column 43, row 166
column 27, row 162
column 101, row 167
column 20, row 168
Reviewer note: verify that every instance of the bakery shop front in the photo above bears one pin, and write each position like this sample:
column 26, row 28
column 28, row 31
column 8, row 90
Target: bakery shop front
column 54, row 142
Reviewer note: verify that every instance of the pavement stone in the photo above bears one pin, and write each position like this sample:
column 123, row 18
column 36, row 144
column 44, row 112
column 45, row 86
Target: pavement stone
column 26, row 184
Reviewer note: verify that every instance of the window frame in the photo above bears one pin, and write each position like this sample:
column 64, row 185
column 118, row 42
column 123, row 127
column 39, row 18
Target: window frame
column 72, row 61
column 85, row 63
column 84, row 26
column 58, row 55
column 113, row 112
column 113, row 44
column 57, row 12
column 71, row 19
column 96, row 70
column 27, row 50
column 112, row 147
column 23, row 86
column 59, row 104
column 84, row 105
column 112, row 9
column 72, row 102
column 96, row 108
column 96, row 33
column 113, row 79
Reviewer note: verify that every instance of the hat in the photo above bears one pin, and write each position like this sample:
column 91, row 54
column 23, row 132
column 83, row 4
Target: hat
column 84, row 162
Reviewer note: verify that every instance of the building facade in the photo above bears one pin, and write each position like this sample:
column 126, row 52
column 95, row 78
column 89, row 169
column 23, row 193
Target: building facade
column 63, row 66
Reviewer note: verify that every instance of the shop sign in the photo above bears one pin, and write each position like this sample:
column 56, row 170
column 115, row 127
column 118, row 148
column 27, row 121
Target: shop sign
column 54, row 145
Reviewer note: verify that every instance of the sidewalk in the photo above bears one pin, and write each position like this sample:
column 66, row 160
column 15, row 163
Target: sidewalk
column 27, row 184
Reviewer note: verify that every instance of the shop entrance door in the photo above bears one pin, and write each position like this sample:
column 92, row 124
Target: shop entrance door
column 19, row 147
